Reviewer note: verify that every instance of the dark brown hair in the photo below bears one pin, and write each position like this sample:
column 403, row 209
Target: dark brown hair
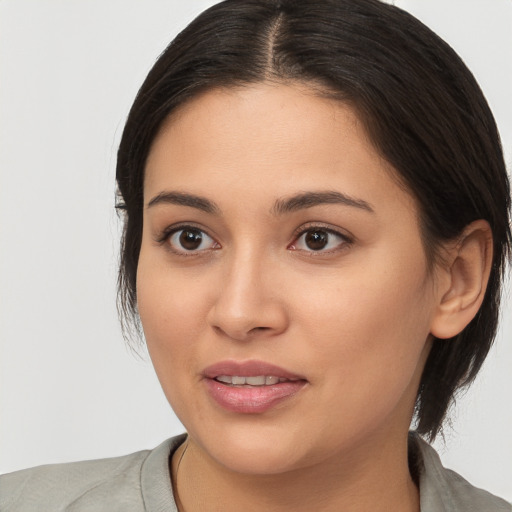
column 421, row 106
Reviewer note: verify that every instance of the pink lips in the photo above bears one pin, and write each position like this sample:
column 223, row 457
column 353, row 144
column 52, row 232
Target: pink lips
column 250, row 399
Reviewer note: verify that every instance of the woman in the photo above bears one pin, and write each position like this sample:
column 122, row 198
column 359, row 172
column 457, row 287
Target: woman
column 316, row 228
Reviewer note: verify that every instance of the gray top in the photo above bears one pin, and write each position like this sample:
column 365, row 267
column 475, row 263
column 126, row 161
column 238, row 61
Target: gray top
column 141, row 482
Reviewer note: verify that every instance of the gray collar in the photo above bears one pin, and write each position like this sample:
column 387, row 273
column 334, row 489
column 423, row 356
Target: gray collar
column 443, row 490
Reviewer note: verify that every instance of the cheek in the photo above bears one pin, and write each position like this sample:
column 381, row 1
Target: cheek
column 368, row 304
column 172, row 311
column 173, row 318
column 370, row 329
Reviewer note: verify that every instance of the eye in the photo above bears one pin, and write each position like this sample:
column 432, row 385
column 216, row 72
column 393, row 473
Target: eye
column 189, row 239
column 318, row 239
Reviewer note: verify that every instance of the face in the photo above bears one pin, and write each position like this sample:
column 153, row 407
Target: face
column 282, row 283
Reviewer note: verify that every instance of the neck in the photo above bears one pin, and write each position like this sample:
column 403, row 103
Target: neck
column 348, row 482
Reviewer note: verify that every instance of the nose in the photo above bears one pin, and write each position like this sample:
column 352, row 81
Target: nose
column 248, row 302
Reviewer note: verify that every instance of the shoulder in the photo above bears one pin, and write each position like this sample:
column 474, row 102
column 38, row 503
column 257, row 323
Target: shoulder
column 58, row 486
column 112, row 484
column 444, row 490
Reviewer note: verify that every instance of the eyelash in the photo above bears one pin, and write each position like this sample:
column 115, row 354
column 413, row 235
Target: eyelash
column 168, row 233
column 345, row 240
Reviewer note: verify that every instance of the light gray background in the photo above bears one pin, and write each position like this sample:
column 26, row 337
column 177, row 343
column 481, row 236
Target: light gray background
column 69, row 388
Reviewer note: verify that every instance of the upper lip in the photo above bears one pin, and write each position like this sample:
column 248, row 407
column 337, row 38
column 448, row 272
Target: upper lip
column 249, row 369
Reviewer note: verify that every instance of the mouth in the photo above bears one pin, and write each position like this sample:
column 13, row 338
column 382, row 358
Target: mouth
column 250, row 387
column 255, row 381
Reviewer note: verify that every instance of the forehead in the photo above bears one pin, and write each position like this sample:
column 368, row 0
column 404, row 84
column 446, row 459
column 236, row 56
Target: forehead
column 269, row 138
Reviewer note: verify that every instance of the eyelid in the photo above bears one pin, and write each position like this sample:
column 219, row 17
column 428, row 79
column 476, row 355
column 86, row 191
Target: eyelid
column 347, row 238
column 163, row 234
column 312, row 225
column 163, row 237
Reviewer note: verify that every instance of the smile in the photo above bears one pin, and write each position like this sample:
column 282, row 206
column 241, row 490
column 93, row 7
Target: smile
column 260, row 380
column 250, row 387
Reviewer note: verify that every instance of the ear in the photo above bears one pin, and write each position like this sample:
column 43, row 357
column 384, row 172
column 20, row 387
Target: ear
column 462, row 280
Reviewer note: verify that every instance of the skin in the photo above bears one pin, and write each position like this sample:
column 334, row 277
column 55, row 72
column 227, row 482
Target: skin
column 354, row 319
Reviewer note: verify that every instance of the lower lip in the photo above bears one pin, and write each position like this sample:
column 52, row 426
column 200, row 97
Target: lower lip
column 252, row 400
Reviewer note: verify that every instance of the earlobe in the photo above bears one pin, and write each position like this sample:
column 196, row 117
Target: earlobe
column 464, row 281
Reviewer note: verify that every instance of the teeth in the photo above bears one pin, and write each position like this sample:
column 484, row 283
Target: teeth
column 257, row 380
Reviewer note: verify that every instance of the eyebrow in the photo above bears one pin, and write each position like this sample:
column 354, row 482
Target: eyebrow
column 310, row 199
column 184, row 199
column 294, row 203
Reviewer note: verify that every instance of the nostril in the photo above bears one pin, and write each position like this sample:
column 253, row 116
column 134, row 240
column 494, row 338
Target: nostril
column 243, row 320
column 240, row 334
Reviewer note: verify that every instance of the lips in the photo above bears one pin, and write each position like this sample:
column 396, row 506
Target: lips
column 250, row 386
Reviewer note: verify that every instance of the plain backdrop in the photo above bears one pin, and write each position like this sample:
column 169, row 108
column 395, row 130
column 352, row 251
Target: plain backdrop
column 69, row 387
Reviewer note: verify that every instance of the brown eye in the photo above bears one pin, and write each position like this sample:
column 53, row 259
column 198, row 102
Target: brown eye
column 190, row 239
column 316, row 240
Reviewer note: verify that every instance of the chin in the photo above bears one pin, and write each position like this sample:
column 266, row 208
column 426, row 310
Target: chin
column 252, row 452
column 251, row 461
